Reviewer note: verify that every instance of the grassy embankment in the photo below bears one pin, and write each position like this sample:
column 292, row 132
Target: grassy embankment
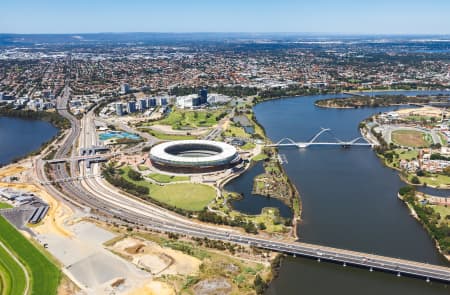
column 435, row 218
column 187, row 196
column 44, row 274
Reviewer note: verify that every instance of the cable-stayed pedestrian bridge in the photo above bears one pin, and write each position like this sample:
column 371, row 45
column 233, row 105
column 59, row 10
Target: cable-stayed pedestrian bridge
column 359, row 141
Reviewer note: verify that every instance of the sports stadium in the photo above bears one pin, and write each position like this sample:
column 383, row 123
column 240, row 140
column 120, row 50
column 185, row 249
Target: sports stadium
column 194, row 156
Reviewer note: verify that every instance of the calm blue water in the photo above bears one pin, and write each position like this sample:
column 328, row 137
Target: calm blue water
column 251, row 203
column 118, row 135
column 18, row 137
column 349, row 201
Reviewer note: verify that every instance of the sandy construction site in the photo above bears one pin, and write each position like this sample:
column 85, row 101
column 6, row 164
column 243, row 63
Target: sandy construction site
column 78, row 245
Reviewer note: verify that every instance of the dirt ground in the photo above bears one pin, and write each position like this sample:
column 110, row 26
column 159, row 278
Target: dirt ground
column 153, row 288
column 57, row 213
column 67, row 287
column 425, row 111
column 156, row 259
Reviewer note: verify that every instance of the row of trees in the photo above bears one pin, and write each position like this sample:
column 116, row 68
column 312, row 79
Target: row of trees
column 212, row 217
column 119, row 181
column 377, row 101
column 434, row 223
column 52, row 117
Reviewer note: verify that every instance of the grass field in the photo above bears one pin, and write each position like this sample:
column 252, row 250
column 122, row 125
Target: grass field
column 180, row 118
column 437, row 180
column 187, row 196
column 443, row 211
column 143, row 168
column 261, row 156
column 44, row 275
column 411, row 138
column 164, row 178
column 165, row 136
column 12, row 277
column 404, row 154
column 248, row 146
column 443, row 139
column 234, row 131
column 5, row 205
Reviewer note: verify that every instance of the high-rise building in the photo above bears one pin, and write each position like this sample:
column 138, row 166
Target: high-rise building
column 151, row 102
column 119, row 109
column 124, row 88
column 131, row 107
column 196, row 101
column 142, row 104
column 163, row 101
column 203, row 96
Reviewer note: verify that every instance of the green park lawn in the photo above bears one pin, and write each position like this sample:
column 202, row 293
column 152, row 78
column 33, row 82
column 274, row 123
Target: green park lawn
column 5, row 205
column 44, row 274
column 187, row 196
column 180, row 118
column 165, row 136
column 443, row 211
column 164, row 178
column 405, row 154
column 260, row 157
column 248, row 146
column 235, row 131
column 437, row 180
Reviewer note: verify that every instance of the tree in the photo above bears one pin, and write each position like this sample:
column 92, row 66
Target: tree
column 415, row 180
column 134, row 175
column 420, row 173
column 259, row 284
column 447, row 171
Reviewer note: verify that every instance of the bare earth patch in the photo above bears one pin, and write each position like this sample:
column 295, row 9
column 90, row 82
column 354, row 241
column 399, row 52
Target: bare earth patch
column 156, row 259
column 213, row 286
column 154, row 288
column 410, row 138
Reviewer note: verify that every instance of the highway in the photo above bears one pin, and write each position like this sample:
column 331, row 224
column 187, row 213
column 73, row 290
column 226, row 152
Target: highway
column 110, row 203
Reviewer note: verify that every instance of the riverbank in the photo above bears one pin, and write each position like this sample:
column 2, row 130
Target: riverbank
column 425, row 217
column 57, row 121
column 53, row 117
column 411, row 202
column 25, row 138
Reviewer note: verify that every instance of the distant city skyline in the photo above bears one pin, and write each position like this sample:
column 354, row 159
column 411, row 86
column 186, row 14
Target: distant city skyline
column 320, row 16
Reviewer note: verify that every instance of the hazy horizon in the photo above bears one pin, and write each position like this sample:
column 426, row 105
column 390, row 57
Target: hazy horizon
column 383, row 17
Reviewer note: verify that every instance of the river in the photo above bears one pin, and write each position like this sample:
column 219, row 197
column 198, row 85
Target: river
column 349, row 201
column 18, row 137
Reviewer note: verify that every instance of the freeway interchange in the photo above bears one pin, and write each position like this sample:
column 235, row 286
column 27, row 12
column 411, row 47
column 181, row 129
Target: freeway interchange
column 107, row 202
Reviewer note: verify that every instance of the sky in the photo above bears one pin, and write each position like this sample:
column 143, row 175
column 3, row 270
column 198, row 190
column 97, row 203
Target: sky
column 300, row 16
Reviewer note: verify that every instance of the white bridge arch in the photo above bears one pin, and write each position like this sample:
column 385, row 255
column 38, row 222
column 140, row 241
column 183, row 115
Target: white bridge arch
column 290, row 142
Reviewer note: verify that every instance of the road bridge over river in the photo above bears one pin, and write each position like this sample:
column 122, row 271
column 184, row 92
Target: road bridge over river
column 111, row 204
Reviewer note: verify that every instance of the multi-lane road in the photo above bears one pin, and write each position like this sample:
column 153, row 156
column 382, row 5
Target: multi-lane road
column 109, row 202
